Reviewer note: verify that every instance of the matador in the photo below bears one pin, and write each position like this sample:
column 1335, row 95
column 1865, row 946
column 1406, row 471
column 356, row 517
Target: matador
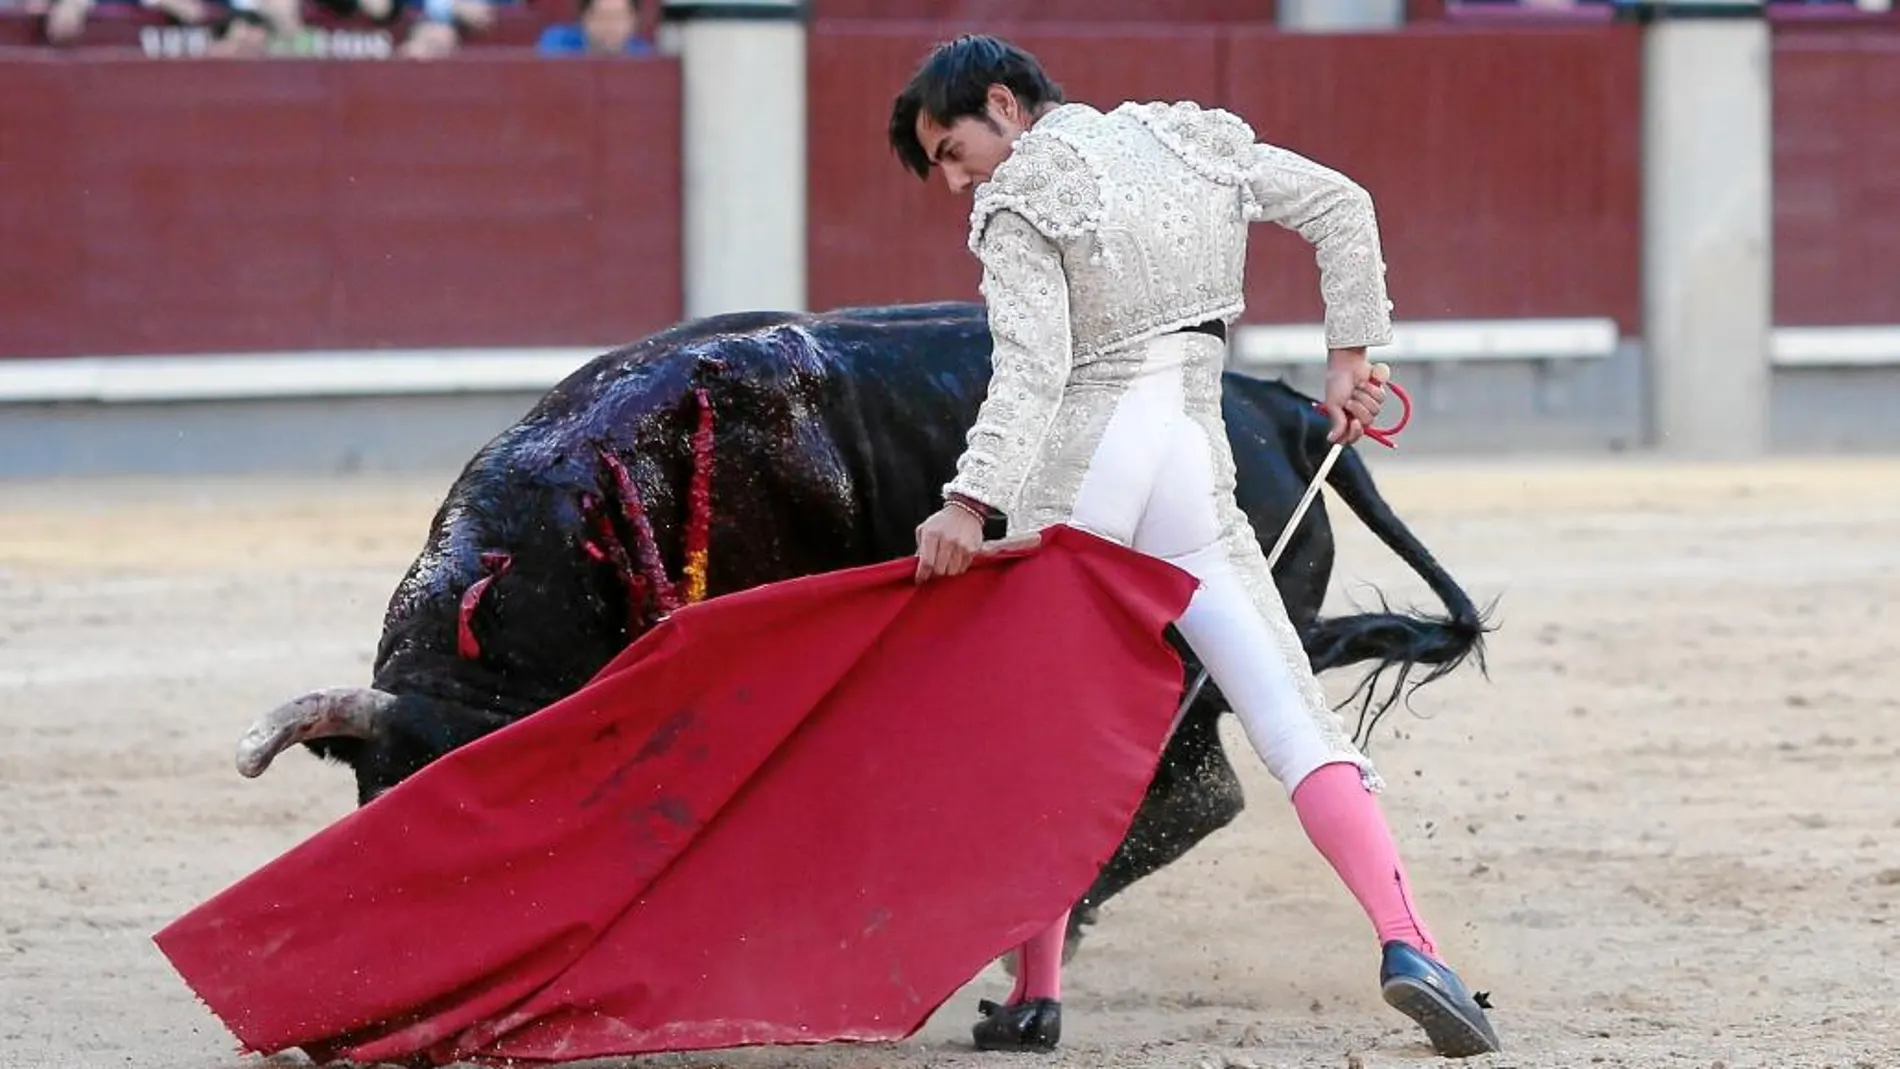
column 1113, row 247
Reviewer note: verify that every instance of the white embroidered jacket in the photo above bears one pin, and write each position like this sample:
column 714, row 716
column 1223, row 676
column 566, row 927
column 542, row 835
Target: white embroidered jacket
column 1100, row 231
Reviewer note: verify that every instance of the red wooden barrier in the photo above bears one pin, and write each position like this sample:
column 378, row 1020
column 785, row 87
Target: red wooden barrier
column 1506, row 163
column 204, row 207
column 213, row 207
column 877, row 233
column 151, row 33
column 986, row 15
column 1837, row 152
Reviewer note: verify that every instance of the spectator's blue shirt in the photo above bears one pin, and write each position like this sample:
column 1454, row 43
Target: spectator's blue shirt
column 568, row 40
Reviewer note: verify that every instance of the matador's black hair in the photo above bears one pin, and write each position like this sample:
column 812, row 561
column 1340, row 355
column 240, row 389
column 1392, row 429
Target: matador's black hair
column 953, row 81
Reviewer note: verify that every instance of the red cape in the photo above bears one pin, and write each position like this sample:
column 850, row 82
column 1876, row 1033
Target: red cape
column 805, row 812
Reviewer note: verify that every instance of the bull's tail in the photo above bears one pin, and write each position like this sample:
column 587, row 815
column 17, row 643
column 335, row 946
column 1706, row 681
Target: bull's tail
column 1397, row 644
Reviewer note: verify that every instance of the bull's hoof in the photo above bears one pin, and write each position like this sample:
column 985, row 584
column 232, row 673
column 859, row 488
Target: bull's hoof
column 1033, row 1024
column 1433, row 996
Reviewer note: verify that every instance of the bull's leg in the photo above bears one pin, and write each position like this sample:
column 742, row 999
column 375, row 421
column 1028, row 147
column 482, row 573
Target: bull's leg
column 1194, row 794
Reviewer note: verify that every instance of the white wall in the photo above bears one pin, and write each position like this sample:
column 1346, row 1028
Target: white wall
column 1708, row 211
column 743, row 155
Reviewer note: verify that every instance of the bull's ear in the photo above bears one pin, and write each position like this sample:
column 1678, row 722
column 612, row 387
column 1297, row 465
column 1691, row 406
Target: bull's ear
column 348, row 712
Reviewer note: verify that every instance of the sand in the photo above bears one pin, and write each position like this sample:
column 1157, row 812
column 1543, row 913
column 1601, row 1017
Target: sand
column 1664, row 832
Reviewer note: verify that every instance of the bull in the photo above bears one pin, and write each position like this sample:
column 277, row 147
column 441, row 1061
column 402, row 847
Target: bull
column 829, row 436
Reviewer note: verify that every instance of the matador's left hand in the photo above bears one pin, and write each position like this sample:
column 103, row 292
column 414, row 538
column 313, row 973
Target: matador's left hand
column 1353, row 396
column 946, row 542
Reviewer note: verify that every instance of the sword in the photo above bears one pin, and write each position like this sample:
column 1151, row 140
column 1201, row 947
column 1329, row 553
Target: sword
column 1381, row 374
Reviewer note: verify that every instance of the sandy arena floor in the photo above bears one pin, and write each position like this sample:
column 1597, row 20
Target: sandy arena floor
column 1665, row 833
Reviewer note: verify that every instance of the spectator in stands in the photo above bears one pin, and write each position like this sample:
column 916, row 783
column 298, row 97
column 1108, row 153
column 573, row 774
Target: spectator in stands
column 438, row 27
column 279, row 20
column 439, row 30
column 1529, row 5
column 606, row 27
column 1621, row 5
column 66, row 19
column 242, row 34
column 261, row 28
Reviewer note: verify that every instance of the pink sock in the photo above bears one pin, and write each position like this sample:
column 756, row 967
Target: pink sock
column 1041, row 963
column 1343, row 820
column 1022, row 977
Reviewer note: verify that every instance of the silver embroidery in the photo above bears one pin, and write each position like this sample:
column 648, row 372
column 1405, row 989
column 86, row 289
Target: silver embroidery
column 1083, row 262
column 1027, row 302
column 1332, row 212
column 1218, row 144
column 1049, row 496
column 1336, row 216
column 1242, row 544
column 1045, row 181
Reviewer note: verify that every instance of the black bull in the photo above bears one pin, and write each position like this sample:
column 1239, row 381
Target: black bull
column 834, row 434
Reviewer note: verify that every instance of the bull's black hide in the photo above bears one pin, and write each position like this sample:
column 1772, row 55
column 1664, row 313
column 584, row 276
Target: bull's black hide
column 834, row 435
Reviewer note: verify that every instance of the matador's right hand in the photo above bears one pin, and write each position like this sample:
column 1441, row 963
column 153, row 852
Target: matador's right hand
column 946, row 542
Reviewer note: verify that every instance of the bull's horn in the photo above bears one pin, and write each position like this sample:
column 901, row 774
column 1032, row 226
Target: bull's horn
column 350, row 712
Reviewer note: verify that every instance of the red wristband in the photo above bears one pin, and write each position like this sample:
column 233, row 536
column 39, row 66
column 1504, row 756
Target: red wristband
column 968, row 506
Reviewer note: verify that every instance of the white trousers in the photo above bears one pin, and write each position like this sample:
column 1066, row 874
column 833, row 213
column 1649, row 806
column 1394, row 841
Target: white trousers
column 1157, row 476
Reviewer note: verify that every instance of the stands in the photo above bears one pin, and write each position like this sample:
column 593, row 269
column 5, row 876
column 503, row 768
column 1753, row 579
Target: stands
column 331, row 29
column 382, row 229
